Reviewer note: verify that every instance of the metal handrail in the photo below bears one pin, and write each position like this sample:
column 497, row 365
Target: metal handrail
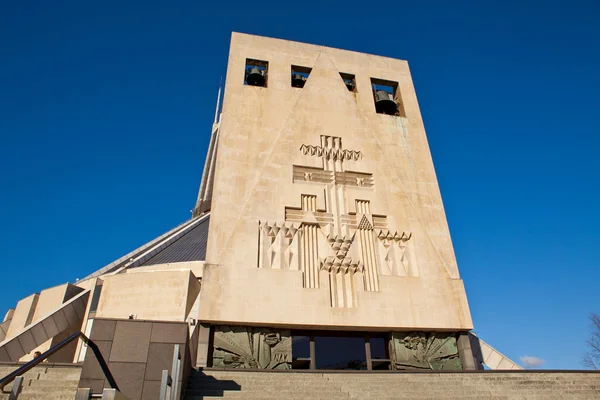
column 33, row 363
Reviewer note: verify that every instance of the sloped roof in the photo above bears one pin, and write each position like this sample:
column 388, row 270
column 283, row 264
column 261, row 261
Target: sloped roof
column 186, row 242
column 191, row 246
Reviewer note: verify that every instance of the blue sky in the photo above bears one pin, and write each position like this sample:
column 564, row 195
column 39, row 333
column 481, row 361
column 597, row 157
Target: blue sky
column 106, row 108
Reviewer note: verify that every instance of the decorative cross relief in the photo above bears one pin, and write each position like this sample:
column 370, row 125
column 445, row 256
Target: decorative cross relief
column 349, row 249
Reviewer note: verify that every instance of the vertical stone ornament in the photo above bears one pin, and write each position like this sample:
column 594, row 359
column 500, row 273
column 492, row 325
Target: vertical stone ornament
column 278, row 245
column 344, row 272
column 366, row 241
column 425, row 350
column 310, row 253
column 246, row 347
column 396, row 253
column 310, row 246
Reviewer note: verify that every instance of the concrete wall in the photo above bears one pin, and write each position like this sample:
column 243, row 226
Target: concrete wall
column 261, row 136
column 161, row 295
column 194, row 266
column 136, row 352
column 49, row 300
column 23, row 314
column 399, row 305
column 5, row 324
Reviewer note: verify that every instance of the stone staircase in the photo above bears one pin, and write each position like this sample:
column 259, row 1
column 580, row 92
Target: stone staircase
column 47, row 381
column 218, row 384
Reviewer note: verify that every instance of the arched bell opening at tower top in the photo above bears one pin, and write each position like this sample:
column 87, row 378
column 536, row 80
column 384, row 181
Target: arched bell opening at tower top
column 386, row 97
column 300, row 76
column 256, row 73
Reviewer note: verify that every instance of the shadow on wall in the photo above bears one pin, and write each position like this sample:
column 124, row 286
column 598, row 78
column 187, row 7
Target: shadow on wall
column 202, row 386
column 476, row 350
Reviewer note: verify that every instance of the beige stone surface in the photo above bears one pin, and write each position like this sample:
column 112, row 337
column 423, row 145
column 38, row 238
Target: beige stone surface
column 63, row 320
column 195, row 266
column 157, row 296
column 49, row 300
column 85, row 284
column 94, row 285
column 324, row 212
column 9, row 314
column 23, row 314
column 310, row 307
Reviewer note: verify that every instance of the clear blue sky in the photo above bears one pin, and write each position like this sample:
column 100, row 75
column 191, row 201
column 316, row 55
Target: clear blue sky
column 106, row 108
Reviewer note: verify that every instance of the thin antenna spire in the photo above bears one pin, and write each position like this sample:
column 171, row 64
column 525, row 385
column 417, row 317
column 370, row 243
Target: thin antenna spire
column 218, row 100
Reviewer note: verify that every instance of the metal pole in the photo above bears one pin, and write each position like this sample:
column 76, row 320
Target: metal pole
column 313, row 360
column 16, row 388
column 218, row 101
column 112, row 394
column 164, row 383
column 175, row 373
column 83, row 394
column 368, row 353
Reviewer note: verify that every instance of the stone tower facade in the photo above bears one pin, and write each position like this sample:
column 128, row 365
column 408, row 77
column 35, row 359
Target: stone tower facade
column 326, row 212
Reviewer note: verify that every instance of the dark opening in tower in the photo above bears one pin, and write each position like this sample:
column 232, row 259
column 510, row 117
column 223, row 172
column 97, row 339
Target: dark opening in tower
column 349, row 81
column 387, row 97
column 256, row 73
column 299, row 76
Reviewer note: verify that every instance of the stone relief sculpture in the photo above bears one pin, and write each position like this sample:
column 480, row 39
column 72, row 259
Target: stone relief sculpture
column 345, row 273
column 351, row 248
column 245, row 347
column 395, row 252
column 331, row 149
column 425, row 350
column 278, row 245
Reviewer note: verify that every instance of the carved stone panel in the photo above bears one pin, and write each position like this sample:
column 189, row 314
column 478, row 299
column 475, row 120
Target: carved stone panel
column 247, row 347
column 278, row 245
column 425, row 350
column 396, row 252
column 353, row 247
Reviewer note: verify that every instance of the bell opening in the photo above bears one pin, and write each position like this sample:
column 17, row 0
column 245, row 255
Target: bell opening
column 386, row 97
column 384, row 104
column 349, row 81
column 256, row 73
column 298, row 81
column 299, row 76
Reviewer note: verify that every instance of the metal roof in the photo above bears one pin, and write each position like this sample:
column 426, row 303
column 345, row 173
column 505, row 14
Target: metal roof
column 191, row 246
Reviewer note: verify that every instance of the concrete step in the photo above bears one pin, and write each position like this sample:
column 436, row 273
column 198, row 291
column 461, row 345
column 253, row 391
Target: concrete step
column 392, row 386
column 47, row 382
column 403, row 396
column 318, row 397
column 517, row 385
column 235, row 385
column 51, row 384
column 47, row 396
column 55, row 373
column 260, row 375
column 267, row 388
column 263, row 389
column 464, row 377
column 341, row 396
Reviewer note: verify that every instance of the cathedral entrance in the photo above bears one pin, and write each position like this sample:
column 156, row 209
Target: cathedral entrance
column 340, row 350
